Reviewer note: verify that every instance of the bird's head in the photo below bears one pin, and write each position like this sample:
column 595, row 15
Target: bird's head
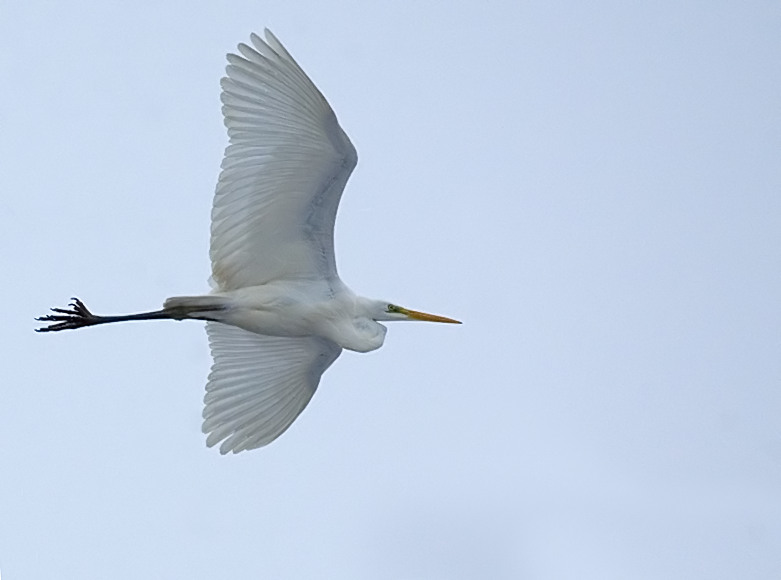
column 389, row 312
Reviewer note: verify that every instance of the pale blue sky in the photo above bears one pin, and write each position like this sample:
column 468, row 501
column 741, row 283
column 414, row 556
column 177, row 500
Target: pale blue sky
column 593, row 188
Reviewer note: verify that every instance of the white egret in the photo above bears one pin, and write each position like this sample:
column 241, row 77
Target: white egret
column 278, row 314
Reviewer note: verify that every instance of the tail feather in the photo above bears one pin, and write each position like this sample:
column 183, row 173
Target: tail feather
column 195, row 306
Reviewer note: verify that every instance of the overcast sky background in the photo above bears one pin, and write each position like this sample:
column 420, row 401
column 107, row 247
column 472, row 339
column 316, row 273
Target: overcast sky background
column 593, row 188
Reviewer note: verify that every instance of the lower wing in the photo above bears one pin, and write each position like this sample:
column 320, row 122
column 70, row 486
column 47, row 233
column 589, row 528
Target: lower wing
column 259, row 384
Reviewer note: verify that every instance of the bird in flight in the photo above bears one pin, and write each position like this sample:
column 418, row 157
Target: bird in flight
column 278, row 314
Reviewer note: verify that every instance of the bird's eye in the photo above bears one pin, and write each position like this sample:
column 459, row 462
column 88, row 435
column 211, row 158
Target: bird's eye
column 392, row 308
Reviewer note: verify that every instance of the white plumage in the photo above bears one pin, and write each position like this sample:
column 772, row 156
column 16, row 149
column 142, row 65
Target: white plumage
column 259, row 384
column 283, row 173
column 278, row 315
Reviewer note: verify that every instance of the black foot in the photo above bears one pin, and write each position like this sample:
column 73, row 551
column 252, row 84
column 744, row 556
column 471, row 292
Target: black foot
column 75, row 317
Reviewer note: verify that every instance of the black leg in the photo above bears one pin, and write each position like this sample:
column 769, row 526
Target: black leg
column 76, row 316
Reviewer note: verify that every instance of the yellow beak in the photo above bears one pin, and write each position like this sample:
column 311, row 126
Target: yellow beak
column 415, row 315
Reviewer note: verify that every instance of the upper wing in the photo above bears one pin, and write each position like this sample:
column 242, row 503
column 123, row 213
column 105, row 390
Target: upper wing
column 283, row 173
column 259, row 384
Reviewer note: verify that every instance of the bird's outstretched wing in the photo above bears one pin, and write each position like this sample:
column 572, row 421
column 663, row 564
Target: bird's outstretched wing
column 283, row 173
column 259, row 384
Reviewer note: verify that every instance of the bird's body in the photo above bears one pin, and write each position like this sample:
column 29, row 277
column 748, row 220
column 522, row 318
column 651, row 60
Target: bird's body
column 278, row 314
column 328, row 309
